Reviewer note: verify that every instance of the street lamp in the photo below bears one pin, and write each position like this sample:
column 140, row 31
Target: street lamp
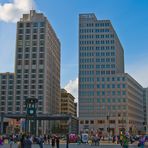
column 108, row 129
column 31, row 107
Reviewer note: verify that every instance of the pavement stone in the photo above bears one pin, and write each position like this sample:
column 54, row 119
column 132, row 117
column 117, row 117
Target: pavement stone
column 77, row 146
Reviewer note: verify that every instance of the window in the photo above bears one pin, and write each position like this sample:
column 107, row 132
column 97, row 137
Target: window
column 27, row 37
column 42, row 24
column 34, row 37
column 21, row 25
column 35, row 30
column 27, row 31
column 41, row 55
column 42, row 30
column 35, row 24
column 86, row 121
column 28, row 24
column 81, row 122
column 42, row 36
column 91, row 121
column 41, row 49
column 33, row 62
column 27, row 49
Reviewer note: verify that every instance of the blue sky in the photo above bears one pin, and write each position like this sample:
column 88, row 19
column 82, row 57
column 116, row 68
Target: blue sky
column 129, row 18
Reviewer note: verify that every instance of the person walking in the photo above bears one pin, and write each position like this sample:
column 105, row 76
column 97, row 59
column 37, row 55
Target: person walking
column 1, row 142
column 27, row 142
column 11, row 141
column 141, row 142
column 22, row 141
column 57, row 142
column 53, row 142
column 125, row 141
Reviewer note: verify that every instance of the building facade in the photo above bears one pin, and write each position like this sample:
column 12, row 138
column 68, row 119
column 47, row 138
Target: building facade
column 6, row 96
column 68, row 106
column 6, row 92
column 37, row 64
column 107, row 95
column 145, row 109
column 67, row 103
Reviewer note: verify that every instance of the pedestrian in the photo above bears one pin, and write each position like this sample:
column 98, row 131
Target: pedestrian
column 53, row 142
column 40, row 141
column 1, row 142
column 11, row 141
column 57, row 142
column 22, row 141
column 141, row 142
column 125, row 141
column 27, row 142
column 48, row 138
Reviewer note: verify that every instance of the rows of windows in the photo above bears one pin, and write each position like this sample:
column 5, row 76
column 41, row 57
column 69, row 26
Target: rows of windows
column 26, row 81
column 27, row 55
column 26, row 71
column 101, row 121
column 102, row 86
column 94, row 30
column 103, row 100
column 89, row 60
column 31, row 87
column 26, row 62
column 98, row 66
column 97, row 54
column 87, row 48
column 29, row 43
column 104, row 107
column 7, row 77
column 7, row 82
column 28, row 50
column 101, row 72
column 31, row 24
column 97, row 42
column 96, row 24
column 101, row 93
column 6, row 92
column 28, row 31
column 97, row 36
column 28, row 37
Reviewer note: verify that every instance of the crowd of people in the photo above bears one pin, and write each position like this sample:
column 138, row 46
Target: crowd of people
column 26, row 140
column 124, row 139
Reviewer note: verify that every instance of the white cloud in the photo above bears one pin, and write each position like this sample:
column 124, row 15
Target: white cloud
column 72, row 87
column 11, row 12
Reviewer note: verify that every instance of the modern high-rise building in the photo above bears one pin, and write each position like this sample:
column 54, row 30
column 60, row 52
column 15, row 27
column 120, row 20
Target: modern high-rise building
column 109, row 99
column 37, row 64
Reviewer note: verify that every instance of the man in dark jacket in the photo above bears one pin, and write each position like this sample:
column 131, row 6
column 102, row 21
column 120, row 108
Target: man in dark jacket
column 27, row 142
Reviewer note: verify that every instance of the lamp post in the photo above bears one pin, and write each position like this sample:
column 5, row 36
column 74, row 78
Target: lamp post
column 31, row 107
column 108, row 129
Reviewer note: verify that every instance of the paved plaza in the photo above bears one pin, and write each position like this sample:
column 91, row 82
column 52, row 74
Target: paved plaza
column 79, row 146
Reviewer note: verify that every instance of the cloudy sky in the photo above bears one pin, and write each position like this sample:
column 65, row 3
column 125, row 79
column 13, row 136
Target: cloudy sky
column 129, row 18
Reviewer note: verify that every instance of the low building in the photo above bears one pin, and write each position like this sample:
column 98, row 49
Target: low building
column 68, row 106
column 6, row 95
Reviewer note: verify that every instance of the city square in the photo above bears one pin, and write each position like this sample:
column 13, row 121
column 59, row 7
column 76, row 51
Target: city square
column 73, row 71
